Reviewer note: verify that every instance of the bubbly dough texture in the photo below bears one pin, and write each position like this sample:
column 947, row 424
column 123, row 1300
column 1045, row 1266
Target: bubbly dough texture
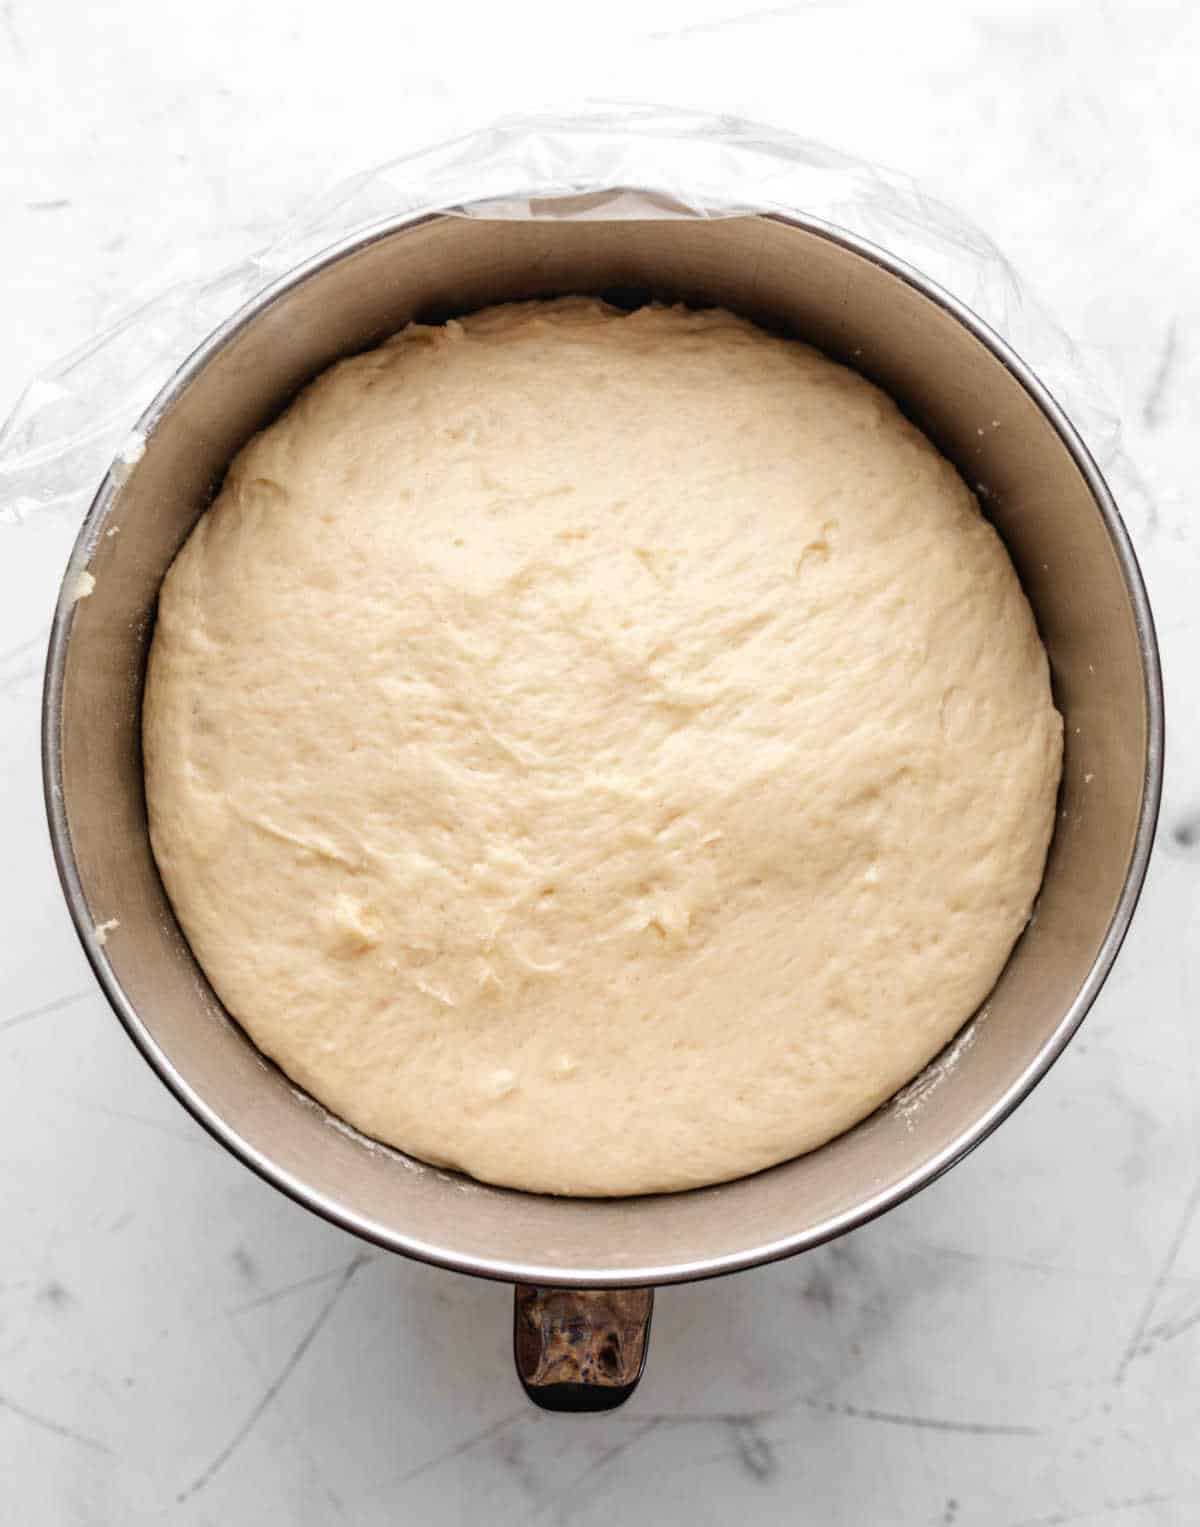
column 602, row 752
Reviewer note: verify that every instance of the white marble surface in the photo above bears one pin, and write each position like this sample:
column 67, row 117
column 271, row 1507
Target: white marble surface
column 1018, row 1345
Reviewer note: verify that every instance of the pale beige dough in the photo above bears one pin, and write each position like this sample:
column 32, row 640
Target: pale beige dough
column 601, row 752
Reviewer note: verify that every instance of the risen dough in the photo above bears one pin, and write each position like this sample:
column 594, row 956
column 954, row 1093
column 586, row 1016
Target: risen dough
column 602, row 752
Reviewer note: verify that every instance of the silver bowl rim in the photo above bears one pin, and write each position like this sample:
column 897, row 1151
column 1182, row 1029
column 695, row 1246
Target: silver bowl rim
column 501, row 1268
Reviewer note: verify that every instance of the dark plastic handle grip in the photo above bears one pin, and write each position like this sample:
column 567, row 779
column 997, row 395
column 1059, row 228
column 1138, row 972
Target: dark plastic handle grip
column 580, row 1349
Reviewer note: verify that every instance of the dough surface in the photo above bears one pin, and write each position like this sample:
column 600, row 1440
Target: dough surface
column 601, row 752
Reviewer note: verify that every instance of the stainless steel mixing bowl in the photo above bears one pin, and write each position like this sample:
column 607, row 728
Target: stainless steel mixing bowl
column 985, row 410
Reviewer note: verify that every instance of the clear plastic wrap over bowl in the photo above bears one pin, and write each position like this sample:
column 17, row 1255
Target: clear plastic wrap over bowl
column 709, row 210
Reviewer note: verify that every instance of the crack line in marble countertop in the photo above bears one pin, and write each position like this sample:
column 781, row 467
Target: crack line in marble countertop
column 924, row 1423
column 1134, row 1346
column 1155, row 393
column 744, row 1422
column 1167, row 1330
column 47, row 1423
column 459, row 1448
column 642, row 1430
column 736, row 1418
column 285, row 1289
column 45, row 1009
column 272, row 1389
column 1059, row 1518
column 1032, row 1264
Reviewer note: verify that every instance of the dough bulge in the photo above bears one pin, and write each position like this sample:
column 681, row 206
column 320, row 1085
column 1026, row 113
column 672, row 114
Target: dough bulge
column 603, row 752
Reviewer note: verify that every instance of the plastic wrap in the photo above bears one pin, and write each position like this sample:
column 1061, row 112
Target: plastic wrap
column 78, row 417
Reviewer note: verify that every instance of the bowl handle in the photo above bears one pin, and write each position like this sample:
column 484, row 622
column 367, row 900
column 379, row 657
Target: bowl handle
column 580, row 1348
